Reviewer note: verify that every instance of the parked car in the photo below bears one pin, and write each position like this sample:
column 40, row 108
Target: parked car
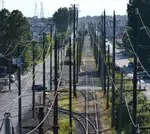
column 142, row 84
column 12, row 78
column 39, row 87
column 130, row 65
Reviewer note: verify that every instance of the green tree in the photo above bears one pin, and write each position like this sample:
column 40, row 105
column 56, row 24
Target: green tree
column 15, row 30
column 143, row 8
column 60, row 17
column 4, row 26
column 19, row 28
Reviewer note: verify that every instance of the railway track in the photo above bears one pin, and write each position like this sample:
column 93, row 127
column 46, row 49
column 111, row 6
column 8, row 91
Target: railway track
column 91, row 112
column 94, row 102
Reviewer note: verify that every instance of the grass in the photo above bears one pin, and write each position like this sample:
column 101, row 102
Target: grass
column 131, row 59
column 117, row 46
column 63, row 121
column 64, row 102
column 64, row 127
column 82, row 54
column 105, row 113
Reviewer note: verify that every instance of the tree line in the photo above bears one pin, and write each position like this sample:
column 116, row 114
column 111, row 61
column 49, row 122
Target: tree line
column 15, row 32
column 143, row 43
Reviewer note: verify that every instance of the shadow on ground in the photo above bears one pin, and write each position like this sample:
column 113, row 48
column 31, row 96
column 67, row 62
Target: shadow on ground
column 94, row 73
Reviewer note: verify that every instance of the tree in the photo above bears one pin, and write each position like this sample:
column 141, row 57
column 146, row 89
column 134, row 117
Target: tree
column 4, row 15
column 19, row 28
column 143, row 8
column 15, row 30
column 60, row 17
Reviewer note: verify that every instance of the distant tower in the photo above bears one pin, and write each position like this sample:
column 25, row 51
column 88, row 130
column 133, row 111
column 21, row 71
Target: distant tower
column 35, row 11
column 42, row 11
column 2, row 4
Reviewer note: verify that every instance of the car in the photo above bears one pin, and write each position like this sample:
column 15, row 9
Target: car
column 130, row 65
column 39, row 87
column 12, row 78
column 141, row 84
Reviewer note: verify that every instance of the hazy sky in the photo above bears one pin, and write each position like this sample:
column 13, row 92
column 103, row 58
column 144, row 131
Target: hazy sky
column 87, row 7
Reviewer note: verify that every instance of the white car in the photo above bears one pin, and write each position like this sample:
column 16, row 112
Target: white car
column 142, row 84
column 12, row 78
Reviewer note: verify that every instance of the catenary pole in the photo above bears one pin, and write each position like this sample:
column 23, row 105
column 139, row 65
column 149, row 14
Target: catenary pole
column 55, row 114
column 70, row 87
column 113, row 73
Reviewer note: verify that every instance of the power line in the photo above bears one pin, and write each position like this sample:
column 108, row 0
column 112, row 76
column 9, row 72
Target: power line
column 50, row 106
column 15, row 100
column 129, row 111
column 41, row 32
column 138, row 12
column 136, row 54
column 23, row 91
column 114, row 85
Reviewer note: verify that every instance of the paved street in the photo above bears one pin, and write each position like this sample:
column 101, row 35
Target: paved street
column 26, row 83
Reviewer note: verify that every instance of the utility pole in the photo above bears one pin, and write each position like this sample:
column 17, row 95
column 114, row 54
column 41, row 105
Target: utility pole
column 51, row 51
column 33, row 80
column 41, row 116
column 55, row 114
column 7, row 123
column 19, row 93
column 70, row 87
column 99, row 57
column 80, row 48
column 113, row 73
column 58, row 53
column 61, row 58
column 74, row 40
column 120, row 105
column 104, row 52
column 44, row 95
column 136, row 26
column 9, row 69
column 77, row 57
column 102, row 58
column 107, row 106
column 77, row 18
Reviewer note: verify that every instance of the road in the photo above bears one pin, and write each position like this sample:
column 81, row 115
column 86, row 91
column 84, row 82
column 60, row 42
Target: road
column 26, row 83
column 123, row 61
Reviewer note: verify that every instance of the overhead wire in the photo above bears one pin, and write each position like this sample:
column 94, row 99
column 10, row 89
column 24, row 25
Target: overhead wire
column 26, row 44
column 50, row 108
column 15, row 100
column 113, row 82
column 22, row 92
column 145, row 27
column 11, row 60
column 26, row 84
column 136, row 53
column 132, row 44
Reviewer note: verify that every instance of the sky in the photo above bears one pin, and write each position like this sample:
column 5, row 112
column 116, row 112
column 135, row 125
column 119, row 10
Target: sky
column 86, row 7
